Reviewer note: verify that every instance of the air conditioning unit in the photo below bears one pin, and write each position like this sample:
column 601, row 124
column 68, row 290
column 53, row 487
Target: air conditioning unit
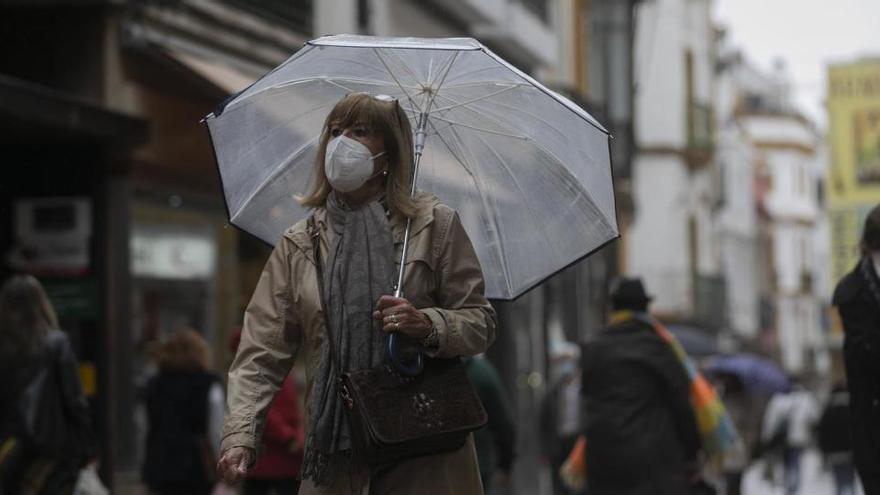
column 52, row 235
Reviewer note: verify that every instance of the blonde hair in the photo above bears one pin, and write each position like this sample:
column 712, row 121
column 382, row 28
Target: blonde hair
column 26, row 316
column 184, row 350
column 387, row 119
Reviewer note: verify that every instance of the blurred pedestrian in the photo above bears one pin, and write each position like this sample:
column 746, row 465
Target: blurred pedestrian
column 857, row 298
column 641, row 432
column 560, row 414
column 789, row 422
column 46, row 437
column 736, row 460
column 349, row 245
column 283, row 439
column 494, row 442
column 185, row 414
column 835, row 440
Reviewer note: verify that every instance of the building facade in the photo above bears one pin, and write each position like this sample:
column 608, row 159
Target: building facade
column 116, row 204
column 674, row 176
column 772, row 164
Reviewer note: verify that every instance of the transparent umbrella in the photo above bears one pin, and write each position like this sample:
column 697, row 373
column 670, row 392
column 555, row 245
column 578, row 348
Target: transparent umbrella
column 528, row 170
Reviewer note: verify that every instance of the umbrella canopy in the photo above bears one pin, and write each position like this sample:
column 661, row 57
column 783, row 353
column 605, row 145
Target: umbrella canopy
column 528, row 170
column 757, row 374
column 696, row 341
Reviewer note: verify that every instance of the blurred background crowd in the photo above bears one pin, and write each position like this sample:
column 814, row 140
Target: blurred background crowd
column 740, row 204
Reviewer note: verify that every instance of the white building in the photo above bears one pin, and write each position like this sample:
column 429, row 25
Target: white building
column 770, row 250
column 670, row 243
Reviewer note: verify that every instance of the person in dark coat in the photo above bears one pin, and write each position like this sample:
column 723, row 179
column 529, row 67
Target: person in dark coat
column 857, row 298
column 495, row 441
column 641, row 432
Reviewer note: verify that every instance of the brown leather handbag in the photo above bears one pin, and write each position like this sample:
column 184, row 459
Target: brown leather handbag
column 395, row 417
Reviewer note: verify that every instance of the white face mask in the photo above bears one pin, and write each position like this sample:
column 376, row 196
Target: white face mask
column 348, row 164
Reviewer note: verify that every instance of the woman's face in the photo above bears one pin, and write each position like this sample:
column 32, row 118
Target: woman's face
column 362, row 134
column 376, row 144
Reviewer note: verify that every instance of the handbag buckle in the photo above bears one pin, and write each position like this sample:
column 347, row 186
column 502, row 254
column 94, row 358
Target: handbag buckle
column 346, row 397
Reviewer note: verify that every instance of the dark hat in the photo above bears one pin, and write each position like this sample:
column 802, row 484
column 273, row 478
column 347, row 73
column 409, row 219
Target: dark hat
column 629, row 293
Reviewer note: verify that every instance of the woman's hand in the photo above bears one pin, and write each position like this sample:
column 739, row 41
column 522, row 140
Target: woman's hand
column 235, row 464
column 398, row 315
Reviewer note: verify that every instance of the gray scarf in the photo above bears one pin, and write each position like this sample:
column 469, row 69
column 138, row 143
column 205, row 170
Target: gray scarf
column 359, row 270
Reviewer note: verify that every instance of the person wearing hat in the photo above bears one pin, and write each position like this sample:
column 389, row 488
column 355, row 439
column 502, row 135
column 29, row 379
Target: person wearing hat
column 640, row 429
column 857, row 298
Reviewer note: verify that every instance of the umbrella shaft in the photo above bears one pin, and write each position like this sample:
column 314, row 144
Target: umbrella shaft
column 419, row 146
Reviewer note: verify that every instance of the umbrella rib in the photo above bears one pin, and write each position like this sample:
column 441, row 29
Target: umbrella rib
column 536, row 144
column 481, row 115
column 455, row 155
column 474, row 100
column 541, row 119
column 390, row 73
column 268, row 133
column 488, row 83
column 445, row 72
column 519, row 188
column 406, row 68
column 331, row 80
column 334, row 83
column 476, row 128
column 506, row 70
column 275, row 173
column 503, row 257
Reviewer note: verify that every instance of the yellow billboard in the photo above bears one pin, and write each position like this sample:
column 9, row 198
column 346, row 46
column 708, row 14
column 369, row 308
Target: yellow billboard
column 854, row 175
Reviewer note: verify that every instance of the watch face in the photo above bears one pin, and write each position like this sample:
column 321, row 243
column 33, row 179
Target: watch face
column 432, row 340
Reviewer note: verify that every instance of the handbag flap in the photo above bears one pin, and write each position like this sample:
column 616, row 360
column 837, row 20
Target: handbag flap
column 439, row 401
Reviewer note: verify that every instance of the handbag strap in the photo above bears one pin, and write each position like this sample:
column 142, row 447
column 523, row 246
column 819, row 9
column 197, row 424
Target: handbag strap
column 315, row 235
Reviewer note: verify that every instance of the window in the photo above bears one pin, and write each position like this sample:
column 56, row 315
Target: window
column 539, row 7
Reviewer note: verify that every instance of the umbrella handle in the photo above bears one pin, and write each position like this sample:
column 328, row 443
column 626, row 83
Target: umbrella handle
column 411, row 368
column 415, row 366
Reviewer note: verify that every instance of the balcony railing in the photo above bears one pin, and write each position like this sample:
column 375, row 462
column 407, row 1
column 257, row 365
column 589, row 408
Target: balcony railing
column 700, row 127
column 710, row 300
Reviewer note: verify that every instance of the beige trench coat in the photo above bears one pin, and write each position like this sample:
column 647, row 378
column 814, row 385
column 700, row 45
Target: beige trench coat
column 284, row 321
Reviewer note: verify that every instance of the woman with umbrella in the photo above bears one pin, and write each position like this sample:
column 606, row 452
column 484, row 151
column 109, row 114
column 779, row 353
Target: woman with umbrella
column 361, row 203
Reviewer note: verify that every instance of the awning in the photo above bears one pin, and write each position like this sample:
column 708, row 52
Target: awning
column 34, row 112
column 224, row 77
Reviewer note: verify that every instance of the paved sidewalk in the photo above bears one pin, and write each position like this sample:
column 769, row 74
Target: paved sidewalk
column 815, row 480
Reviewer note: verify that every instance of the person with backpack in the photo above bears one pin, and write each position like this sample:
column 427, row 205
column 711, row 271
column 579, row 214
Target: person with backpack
column 46, row 436
column 787, row 431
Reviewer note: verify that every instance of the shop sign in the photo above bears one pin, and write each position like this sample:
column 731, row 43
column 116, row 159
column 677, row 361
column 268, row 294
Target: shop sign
column 172, row 253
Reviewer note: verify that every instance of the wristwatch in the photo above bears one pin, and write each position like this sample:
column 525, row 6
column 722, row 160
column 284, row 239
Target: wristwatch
column 431, row 342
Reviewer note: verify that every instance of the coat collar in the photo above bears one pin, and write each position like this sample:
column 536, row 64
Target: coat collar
column 300, row 236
